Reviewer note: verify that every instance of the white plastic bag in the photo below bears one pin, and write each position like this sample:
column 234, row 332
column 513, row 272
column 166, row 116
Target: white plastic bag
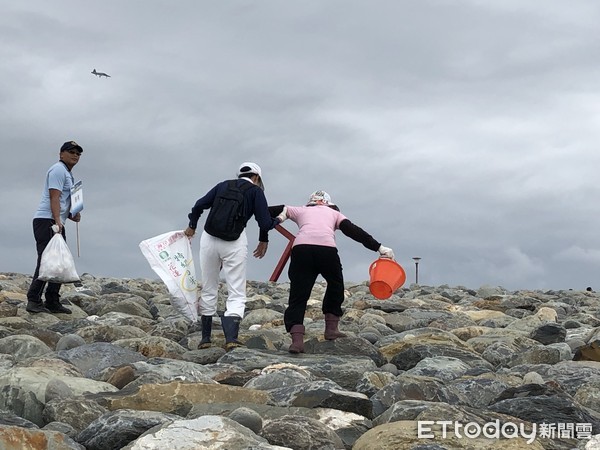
column 170, row 256
column 57, row 264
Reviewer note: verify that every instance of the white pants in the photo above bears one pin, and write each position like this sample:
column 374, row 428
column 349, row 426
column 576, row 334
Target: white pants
column 231, row 257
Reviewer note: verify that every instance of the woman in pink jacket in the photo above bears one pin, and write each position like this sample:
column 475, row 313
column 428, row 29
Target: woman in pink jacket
column 314, row 253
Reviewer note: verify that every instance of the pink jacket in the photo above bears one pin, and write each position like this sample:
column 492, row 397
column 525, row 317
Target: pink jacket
column 317, row 224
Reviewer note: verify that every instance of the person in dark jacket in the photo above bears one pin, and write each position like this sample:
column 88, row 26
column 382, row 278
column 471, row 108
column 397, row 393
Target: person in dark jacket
column 230, row 256
column 314, row 253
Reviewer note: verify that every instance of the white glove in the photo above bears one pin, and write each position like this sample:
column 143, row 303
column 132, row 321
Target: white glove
column 283, row 215
column 385, row 252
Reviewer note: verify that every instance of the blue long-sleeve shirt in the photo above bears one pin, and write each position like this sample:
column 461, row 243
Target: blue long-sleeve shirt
column 254, row 201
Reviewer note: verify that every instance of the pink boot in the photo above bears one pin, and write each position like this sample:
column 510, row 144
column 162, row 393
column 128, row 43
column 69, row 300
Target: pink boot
column 331, row 327
column 297, row 332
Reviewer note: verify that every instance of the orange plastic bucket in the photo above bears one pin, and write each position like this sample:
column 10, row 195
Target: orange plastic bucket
column 386, row 276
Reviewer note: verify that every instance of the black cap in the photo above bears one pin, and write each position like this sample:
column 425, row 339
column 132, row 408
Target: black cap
column 70, row 145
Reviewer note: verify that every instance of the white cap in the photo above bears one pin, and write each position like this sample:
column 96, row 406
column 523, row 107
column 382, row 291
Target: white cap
column 250, row 167
column 320, row 196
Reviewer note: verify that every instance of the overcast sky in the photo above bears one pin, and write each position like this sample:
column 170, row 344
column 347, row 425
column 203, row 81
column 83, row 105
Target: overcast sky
column 462, row 132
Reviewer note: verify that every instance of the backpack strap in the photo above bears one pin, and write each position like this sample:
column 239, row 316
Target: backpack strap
column 245, row 186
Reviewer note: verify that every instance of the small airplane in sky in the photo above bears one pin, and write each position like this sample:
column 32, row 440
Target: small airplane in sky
column 100, row 74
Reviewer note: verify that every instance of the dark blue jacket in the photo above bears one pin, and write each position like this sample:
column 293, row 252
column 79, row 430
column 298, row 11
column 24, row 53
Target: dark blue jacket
column 255, row 205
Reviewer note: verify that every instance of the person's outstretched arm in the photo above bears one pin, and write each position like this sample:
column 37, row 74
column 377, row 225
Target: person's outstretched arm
column 359, row 235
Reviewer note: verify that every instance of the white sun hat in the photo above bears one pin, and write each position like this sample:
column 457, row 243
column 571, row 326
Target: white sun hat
column 320, row 196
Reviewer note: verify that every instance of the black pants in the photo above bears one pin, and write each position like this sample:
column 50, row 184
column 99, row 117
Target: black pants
column 307, row 263
column 42, row 231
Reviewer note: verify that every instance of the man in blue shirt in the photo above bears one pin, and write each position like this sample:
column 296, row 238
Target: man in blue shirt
column 54, row 209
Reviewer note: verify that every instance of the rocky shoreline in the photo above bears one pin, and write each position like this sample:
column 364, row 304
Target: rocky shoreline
column 430, row 368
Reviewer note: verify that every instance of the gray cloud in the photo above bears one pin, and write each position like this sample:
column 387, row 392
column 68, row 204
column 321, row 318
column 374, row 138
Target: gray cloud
column 464, row 134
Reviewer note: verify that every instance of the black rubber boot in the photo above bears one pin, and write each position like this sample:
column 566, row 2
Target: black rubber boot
column 206, row 330
column 53, row 304
column 36, row 289
column 231, row 328
column 36, row 307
